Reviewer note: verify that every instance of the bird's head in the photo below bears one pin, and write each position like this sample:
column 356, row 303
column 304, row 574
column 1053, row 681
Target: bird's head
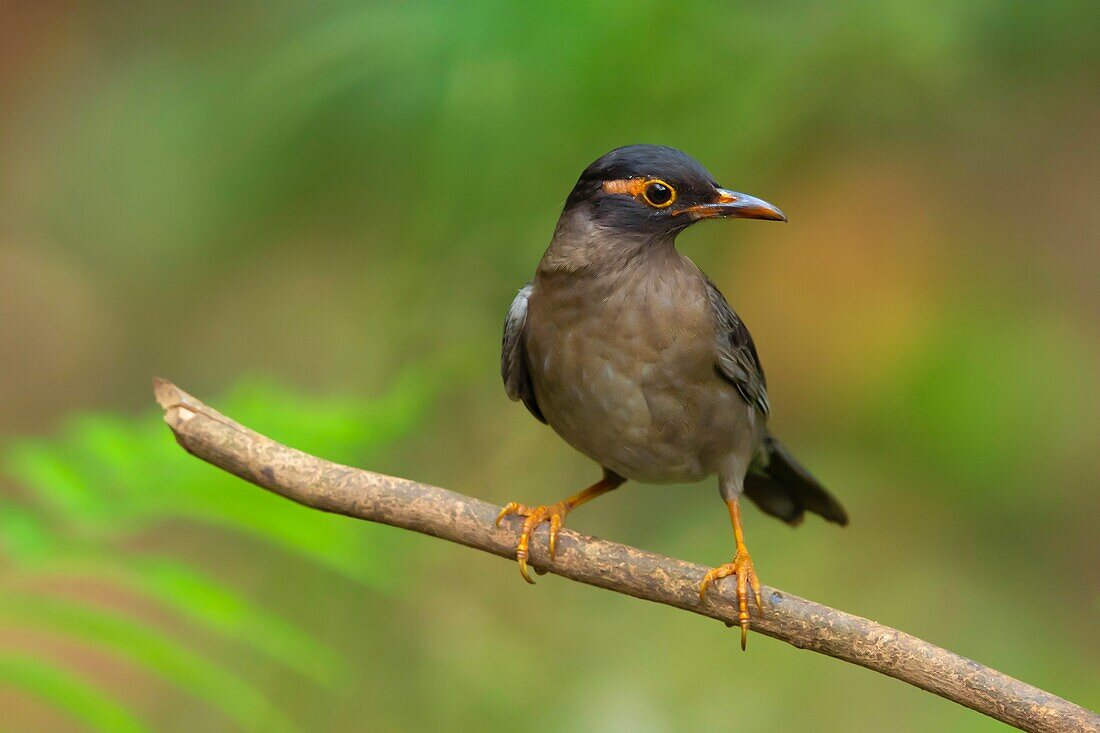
column 656, row 191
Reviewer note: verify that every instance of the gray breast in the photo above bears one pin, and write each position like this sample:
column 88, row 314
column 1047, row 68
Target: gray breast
column 623, row 368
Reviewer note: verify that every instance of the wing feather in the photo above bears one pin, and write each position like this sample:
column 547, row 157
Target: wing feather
column 513, row 354
column 737, row 358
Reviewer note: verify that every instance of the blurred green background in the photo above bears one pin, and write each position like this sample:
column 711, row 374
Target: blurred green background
column 315, row 216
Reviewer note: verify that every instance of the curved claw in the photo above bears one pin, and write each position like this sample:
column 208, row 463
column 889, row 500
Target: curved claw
column 555, row 527
column 534, row 516
column 511, row 507
column 743, row 568
column 521, row 555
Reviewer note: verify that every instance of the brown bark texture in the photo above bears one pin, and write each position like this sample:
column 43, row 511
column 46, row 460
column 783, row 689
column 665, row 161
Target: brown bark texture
column 330, row 487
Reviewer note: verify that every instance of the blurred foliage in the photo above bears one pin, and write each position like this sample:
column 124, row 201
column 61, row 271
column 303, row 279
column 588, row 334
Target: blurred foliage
column 107, row 480
column 343, row 197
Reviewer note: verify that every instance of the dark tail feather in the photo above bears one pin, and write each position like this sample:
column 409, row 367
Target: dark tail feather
column 786, row 490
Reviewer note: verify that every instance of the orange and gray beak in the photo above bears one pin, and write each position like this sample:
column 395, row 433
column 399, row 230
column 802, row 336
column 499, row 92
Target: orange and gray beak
column 734, row 205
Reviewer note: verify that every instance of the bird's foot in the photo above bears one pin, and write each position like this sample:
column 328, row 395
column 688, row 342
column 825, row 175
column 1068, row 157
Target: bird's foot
column 746, row 577
column 554, row 514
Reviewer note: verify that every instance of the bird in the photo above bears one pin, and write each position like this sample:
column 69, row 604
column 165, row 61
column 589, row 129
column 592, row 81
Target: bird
column 633, row 356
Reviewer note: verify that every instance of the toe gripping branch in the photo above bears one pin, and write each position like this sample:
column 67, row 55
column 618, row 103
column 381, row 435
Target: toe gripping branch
column 554, row 514
column 743, row 568
column 533, row 517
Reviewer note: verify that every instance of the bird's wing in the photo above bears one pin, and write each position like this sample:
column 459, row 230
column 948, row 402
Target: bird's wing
column 513, row 354
column 737, row 359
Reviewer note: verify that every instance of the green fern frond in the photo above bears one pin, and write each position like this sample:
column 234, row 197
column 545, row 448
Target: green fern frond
column 106, row 481
column 67, row 693
column 209, row 605
column 154, row 651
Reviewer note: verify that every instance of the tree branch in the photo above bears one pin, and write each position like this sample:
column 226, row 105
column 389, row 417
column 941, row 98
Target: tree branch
column 330, row 487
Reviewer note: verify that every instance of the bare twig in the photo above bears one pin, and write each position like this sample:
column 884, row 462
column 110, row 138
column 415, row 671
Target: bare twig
column 331, row 487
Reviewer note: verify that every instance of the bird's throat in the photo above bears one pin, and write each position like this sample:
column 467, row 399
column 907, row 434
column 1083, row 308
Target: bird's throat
column 582, row 247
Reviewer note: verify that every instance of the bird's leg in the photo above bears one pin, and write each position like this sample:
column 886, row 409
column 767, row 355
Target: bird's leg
column 741, row 567
column 554, row 514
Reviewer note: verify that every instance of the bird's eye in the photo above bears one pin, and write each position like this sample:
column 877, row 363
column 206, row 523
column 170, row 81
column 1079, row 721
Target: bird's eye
column 658, row 194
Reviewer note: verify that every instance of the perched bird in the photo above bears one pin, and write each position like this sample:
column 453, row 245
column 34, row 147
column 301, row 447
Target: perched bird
column 632, row 355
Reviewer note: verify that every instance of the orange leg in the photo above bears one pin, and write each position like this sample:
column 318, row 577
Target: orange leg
column 554, row 514
column 741, row 567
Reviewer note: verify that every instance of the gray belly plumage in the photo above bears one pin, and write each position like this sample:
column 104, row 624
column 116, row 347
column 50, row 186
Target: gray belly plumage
column 631, row 382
